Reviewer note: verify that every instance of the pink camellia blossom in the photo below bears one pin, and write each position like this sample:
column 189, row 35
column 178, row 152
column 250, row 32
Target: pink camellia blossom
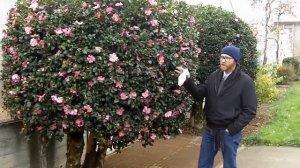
column 61, row 74
column 76, row 73
column 42, row 17
column 65, row 125
column 152, row 2
column 87, row 108
column 147, row 117
column 12, row 92
column 113, row 57
column 39, row 128
column 97, row 6
column 73, row 91
column 123, row 96
column 121, row 134
column 57, row 99
column 177, row 91
column 145, row 94
column 73, row 112
column 161, row 59
column 155, row 114
column 101, row 78
column 170, row 38
column 41, row 98
column 161, row 89
column 192, row 20
column 116, row 17
column 153, row 137
column 79, row 122
column 120, row 111
column 84, row 5
column 119, row 84
column 58, row 53
column 107, row 118
column 147, row 110
column 148, row 12
column 184, row 48
column 15, row 78
column 28, row 30
column 34, row 42
column 168, row 114
column 90, row 58
column 58, row 31
column 29, row 18
column 120, row 70
column 68, row 78
column 66, row 109
column 132, row 95
column 34, row 6
column 78, row 23
column 91, row 83
column 108, row 10
column 67, row 31
column 198, row 50
column 99, row 15
column 98, row 49
column 136, row 37
column 154, row 22
column 119, row 4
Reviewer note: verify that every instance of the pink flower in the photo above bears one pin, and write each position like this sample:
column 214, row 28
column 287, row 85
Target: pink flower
column 78, row 23
column 132, row 95
column 67, row 31
column 152, row 2
column 84, row 5
column 28, row 30
column 79, row 122
column 76, row 73
column 91, row 83
column 153, row 137
column 34, row 42
column 123, row 96
column 98, row 49
column 148, row 12
column 97, row 6
column 154, row 22
column 168, row 114
column 58, row 31
column 116, row 17
column 68, row 78
column 57, row 99
column 155, row 114
column 145, row 94
column 119, row 84
column 161, row 59
column 61, row 74
column 161, row 89
column 34, row 6
column 90, row 58
column 99, row 15
column 192, row 20
column 119, row 4
column 65, row 125
column 42, row 17
column 119, row 70
column 147, row 117
column 136, row 37
column 170, row 38
column 73, row 90
column 101, row 78
column 121, row 134
column 177, row 91
column 41, row 98
column 109, row 10
column 58, row 53
column 198, row 50
column 87, row 108
column 184, row 48
column 15, row 78
column 120, row 111
column 73, row 112
column 39, row 128
column 147, row 110
column 66, row 109
column 113, row 57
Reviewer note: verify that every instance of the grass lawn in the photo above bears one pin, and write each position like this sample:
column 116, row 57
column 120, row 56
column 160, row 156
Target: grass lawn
column 284, row 126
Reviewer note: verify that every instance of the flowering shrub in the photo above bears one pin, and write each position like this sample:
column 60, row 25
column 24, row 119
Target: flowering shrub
column 103, row 66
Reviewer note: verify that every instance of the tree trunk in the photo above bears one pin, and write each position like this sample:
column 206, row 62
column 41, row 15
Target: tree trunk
column 197, row 116
column 75, row 144
column 90, row 156
column 101, row 153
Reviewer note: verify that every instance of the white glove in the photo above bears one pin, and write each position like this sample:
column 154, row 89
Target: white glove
column 184, row 74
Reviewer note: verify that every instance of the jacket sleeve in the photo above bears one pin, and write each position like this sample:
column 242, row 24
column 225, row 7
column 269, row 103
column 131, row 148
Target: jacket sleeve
column 197, row 91
column 249, row 107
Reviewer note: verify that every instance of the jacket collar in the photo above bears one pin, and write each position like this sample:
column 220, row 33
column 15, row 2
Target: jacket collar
column 229, row 80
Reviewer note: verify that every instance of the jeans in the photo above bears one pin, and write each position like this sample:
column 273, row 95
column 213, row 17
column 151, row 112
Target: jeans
column 207, row 153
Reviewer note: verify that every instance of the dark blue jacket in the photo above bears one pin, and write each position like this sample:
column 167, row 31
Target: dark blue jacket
column 236, row 104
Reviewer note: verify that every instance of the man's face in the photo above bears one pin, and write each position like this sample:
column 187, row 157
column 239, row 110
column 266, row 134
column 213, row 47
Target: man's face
column 227, row 63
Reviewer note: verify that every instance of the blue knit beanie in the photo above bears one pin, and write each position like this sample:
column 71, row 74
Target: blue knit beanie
column 232, row 51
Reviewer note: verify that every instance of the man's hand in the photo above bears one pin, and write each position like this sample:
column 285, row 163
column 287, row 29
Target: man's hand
column 184, row 74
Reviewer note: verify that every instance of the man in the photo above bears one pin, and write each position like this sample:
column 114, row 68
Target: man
column 230, row 104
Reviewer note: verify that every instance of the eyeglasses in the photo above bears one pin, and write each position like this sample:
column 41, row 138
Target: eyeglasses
column 225, row 58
